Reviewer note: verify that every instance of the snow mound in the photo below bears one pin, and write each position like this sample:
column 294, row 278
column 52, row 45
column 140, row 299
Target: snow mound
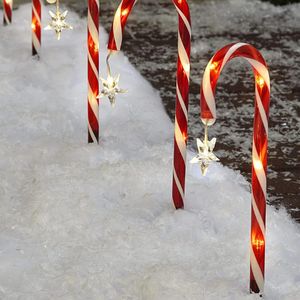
column 81, row 221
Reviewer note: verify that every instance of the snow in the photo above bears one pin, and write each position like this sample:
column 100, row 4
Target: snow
column 82, row 221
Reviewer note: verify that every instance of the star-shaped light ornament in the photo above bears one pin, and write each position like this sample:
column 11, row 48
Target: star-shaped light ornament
column 205, row 154
column 111, row 89
column 110, row 85
column 58, row 20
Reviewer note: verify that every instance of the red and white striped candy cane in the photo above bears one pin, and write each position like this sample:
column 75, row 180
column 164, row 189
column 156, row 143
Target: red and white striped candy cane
column 7, row 11
column 36, row 26
column 93, row 71
column 182, row 85
column 260, row 143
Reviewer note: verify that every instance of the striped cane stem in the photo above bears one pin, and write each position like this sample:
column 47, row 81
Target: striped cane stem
column 36, row 26
column 260, row 144
column 93, row 71
column 7, row 11
column 182, row 85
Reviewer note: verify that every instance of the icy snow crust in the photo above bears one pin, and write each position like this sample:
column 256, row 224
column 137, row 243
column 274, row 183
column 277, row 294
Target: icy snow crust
column 91, row 222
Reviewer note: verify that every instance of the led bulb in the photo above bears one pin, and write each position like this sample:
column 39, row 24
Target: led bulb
column 125, row 12
column 260, row 81
column 258, row 164
column 214, row 66
column 258, row 243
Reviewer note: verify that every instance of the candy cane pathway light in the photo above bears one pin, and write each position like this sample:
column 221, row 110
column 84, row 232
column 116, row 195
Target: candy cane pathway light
column 182, row 84
column 260, row 143
column 7, row 11
column 36, row 26
column 93, row 71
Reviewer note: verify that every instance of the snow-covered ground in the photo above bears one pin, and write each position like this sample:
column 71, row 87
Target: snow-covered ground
column 81, row 221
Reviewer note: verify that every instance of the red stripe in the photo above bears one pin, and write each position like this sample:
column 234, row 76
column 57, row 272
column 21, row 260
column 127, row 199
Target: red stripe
column 8, row 11
column 93, row 80
column 94, row 12
column 37, row 5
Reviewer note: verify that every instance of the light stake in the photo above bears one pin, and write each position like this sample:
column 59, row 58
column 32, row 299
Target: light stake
column 36, row 26
column 93, row 70
column 7, row 11
column 260, row 144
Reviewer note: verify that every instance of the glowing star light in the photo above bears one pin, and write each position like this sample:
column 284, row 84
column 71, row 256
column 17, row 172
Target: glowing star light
column 111, row 89
column 58, row 22
column 111, row 85
column 205, row 154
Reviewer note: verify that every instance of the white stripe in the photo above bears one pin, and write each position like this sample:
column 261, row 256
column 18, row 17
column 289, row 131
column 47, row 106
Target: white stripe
column 261, row 110
column 185, row 61
column 117, row 27
column 178, row 184
column 261, row 69
column 260, row 172
column 93, row 102
column 182, row 104
column 6, row 17
column 257, row 273
column 36, row 14
column 185, row 20
column 92, row 134
column 258, row 217
column 91, row 62
column 36, row 42
column 230, row 52
column 92, row 29
column 208, row 93
column 180, row 140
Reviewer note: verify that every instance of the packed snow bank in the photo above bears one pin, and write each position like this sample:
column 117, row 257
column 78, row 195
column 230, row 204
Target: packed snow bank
column 82, row 221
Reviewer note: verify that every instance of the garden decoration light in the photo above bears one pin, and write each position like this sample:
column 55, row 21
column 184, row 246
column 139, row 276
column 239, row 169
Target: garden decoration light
column 259, row 148
column 7, row 11
column 36, row 26
column 93, row 70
